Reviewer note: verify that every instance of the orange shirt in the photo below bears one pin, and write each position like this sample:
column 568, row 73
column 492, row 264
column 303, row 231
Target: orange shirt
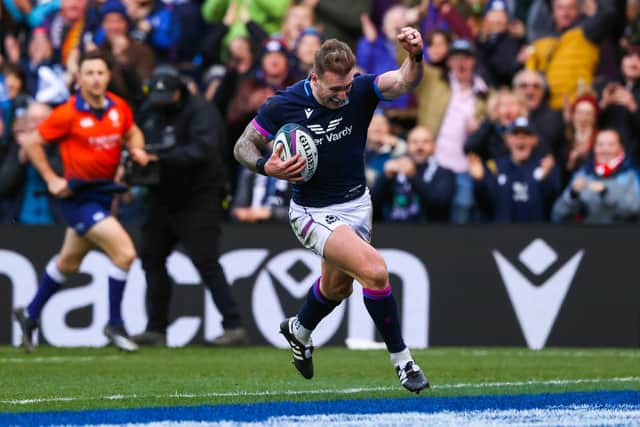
column 90, row 145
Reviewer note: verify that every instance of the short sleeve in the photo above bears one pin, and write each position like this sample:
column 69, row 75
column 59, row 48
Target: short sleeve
column 57, row 125
column 269, row 118
column 127, row 116
column 366, row 88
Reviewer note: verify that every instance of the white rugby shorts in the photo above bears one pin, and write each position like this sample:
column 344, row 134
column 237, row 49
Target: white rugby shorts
column 313, row 226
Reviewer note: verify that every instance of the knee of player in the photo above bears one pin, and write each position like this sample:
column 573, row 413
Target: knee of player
column 375, row 274
column 125, row 257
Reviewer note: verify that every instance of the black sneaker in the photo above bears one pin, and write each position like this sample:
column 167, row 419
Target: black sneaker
column 232, row 337
column 150, row 338
column 27, row 326
column 119, row 337
column 301, row 353
column 412, row 378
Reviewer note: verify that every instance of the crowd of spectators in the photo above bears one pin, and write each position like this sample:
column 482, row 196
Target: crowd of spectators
column 527, row 111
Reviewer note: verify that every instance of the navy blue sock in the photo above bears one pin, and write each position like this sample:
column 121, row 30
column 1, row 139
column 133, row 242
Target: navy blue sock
column 382, row 308
column 117, row 280
column 50, row 282
column 316, row 307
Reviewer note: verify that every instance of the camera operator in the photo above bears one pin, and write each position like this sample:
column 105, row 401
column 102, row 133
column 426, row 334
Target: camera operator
column 185, row 200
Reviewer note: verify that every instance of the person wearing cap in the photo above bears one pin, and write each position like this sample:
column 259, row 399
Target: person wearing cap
column 569, row 55
column 185, row 134
column 606, row 189
column 453, row 107
column 519, row 186
column 488, row 140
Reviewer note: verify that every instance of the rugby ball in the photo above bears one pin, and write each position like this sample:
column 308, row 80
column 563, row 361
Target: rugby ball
column 295, row 138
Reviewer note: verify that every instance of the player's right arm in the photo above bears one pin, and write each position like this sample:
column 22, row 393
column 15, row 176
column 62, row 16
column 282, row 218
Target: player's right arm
column 33, row 144
column 247, row 153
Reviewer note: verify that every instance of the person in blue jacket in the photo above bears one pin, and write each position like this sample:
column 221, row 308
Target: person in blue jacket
column 519, row 186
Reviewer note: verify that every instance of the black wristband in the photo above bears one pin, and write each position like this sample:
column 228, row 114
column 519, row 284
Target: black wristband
column 417, row 57
column 260, row 166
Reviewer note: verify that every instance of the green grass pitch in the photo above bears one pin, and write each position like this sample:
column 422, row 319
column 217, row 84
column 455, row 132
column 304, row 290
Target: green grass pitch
column 85, row 378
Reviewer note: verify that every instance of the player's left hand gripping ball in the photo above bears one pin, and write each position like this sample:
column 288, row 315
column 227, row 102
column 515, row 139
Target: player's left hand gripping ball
column 295, row 138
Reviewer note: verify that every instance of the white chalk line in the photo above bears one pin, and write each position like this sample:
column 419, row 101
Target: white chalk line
column 56, row 359
column 430, row 353
column 348, row 391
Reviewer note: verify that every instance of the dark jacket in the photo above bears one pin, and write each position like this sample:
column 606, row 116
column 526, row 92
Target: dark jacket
column 426, row 196
column 13, row 183
column 498, row 56
column 514, row 193
column 625, row 121
column 549, row 126
column 192, row 167
column 487, row 141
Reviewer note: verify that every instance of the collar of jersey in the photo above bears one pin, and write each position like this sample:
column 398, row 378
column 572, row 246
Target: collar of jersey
column 82, row 105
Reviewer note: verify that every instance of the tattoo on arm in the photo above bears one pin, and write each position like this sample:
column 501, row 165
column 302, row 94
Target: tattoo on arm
column 246, row 149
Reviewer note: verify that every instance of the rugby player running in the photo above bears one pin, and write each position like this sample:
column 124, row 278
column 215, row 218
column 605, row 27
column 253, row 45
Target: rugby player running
column 90, row 129
column 331, row 213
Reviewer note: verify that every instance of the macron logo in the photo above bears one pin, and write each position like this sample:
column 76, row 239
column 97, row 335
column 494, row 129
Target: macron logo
column 537, row 306
column 308, row 112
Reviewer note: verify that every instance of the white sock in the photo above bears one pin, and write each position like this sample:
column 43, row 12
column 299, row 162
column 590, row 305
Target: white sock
column 300, row 332
column 52, row 270
column 401, row 358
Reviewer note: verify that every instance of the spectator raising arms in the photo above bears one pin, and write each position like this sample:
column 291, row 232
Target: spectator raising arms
column 522, row 185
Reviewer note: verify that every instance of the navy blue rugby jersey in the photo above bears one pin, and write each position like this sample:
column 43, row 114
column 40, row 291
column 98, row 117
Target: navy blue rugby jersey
column 340, row 136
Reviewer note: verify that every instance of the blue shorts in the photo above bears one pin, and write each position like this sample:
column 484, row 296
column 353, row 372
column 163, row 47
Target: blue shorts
column 83, row 211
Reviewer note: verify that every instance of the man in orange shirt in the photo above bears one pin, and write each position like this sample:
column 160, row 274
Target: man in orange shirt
column 90, row 129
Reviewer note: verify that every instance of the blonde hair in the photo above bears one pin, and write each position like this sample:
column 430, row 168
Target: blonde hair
column 334, row 56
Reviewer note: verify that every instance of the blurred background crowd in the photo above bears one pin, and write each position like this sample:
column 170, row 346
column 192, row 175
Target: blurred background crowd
column 527, row 112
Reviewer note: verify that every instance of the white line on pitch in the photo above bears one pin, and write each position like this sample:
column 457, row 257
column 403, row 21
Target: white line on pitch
column 319, row 391
column 56, row 359
column 547, row 352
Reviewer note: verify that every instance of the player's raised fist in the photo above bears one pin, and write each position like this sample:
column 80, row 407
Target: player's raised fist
column 411, row 40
